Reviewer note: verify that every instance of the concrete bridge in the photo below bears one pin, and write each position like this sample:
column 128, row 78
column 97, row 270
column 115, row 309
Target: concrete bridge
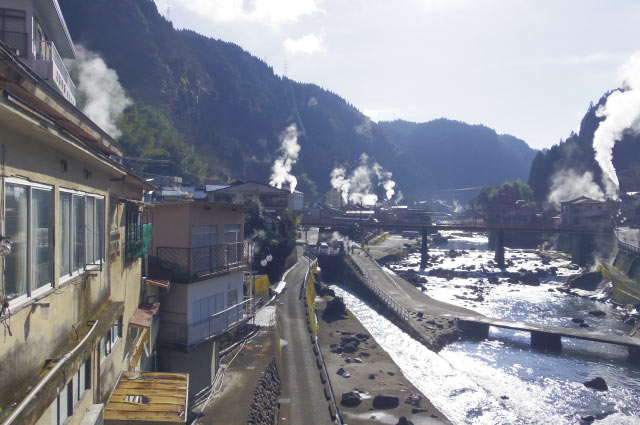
column 546, row 337
column 346, row 223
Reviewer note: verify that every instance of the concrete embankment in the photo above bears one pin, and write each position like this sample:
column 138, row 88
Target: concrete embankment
column 625, row 275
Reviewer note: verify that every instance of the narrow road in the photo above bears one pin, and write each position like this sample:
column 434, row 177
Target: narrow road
column 301, row 376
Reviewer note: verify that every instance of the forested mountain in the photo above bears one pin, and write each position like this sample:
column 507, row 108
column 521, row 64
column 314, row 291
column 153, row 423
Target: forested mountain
column 446, row 154
column 232, row 108
column 576, row 153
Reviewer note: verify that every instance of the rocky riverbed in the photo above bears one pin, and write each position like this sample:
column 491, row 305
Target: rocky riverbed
column 369, row 386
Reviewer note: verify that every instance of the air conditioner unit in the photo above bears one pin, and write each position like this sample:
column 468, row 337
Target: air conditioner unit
column 94, row 415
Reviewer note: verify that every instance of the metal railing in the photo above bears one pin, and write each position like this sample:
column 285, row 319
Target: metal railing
column 624, row 245
column 389, row 301
column 194, row 263
column 312, row 264
column 46, row 51
column 15, row 40
column 190, row 334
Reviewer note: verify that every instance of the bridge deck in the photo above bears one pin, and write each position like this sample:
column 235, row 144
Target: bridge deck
column 555, row 330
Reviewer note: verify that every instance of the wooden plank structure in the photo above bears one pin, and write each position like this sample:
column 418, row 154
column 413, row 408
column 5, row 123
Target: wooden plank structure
column 148, row 398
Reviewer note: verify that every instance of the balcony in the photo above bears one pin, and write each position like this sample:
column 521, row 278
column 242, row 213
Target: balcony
column 15, row 40
column 188, row 265
column 191, row 334
column 48, row 64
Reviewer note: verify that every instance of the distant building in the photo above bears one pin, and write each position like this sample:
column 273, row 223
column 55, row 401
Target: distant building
column 273, row 200
column 38, row 35
column 200, row 248
column 333, row 198
column 585, row 212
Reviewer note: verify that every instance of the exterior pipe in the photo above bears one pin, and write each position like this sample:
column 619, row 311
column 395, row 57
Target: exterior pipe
column 32, row 394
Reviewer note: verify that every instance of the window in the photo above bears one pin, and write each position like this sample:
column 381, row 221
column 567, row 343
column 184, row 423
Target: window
column 108, row 342
column 13, row 30
column 69, row 397
column 81, row 231
column 232, row 298
column 29, row 227
column 137, row 234
column 232, row 237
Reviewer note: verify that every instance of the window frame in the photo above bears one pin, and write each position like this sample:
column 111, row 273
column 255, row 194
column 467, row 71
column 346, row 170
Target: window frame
column 32, row 290
column 97, row 228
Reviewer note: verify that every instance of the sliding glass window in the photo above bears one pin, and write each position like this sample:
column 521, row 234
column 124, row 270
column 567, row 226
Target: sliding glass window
column 64, row 230
column 29, row 227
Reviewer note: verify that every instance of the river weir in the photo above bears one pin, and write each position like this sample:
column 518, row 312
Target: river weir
column 502, row 380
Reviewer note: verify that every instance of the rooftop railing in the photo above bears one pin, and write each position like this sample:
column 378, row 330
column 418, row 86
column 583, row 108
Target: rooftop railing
column 46, row 51
column 190, row 264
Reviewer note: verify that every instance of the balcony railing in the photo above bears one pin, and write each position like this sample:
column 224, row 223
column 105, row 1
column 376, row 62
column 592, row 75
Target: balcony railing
column 46, row 51
column 15, row 40
column 189, row 264
column 194, row 333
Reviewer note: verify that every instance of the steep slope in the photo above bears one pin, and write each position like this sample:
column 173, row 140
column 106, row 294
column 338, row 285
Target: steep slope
column 232, row 108
column 576, row 153
column 228, row 103
column 446, row 154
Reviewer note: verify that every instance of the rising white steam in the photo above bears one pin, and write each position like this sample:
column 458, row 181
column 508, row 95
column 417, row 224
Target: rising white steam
column 101, row 97
column 358, row 187
column 622, row 114
column 289, row 151
column 567, row 185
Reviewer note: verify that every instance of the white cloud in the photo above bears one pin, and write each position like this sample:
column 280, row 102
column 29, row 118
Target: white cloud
column 307, row 44
column 268, row 12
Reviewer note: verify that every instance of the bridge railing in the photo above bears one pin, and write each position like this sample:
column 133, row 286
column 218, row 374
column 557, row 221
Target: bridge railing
column 389, row 301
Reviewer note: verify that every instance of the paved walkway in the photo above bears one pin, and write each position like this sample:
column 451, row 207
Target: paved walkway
column 405, row 293
column 301, row 376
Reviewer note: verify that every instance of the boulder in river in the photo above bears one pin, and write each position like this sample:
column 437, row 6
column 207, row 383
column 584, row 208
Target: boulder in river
column 597, row 383
column 404, row 421
column 598, row 313
column 350, row 399
column 588, row 281
column 577, row 320
column 385, row 402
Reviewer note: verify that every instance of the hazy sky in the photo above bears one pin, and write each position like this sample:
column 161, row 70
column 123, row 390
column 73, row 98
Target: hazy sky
column 527, row 68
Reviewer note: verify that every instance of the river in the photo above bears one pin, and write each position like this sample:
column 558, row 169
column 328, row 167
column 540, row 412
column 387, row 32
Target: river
column 502, row 380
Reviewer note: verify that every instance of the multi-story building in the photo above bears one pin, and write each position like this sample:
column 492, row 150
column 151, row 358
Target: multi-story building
column 273, row 200
column 75, row 310
column 36, row 33
column 585, row 212
column 200, row 247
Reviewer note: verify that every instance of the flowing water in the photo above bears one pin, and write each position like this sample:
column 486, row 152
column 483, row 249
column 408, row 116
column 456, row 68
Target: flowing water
column 502, row 380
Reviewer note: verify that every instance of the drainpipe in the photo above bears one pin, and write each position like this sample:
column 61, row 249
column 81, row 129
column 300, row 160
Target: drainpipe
column 34, row 392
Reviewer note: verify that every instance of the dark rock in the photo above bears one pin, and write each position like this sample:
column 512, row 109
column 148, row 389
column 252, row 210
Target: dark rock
column 419, row 410
column 589, row 419
column 335, row 310
column 349, row 348
column 586, row 281
column 404, row 421
column 350, row 399
column 343, row 373
column 372, row 376
column 391, row 374
column 597, row 313
column 577, row 320
column 362, row 337
column 584, row 325
column 364, row 354
column 413, row 399
column 385, row 402
column 597, row 384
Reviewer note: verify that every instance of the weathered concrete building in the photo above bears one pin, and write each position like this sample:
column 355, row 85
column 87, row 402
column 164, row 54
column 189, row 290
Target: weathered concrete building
column 75, row 309
column 200, row 247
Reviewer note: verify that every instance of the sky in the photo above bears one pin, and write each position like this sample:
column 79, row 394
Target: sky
column 526, row 68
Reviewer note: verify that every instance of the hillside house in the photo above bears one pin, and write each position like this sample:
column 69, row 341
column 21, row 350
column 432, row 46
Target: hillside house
column 200, row 247
column 585, row 212
column 273, row 200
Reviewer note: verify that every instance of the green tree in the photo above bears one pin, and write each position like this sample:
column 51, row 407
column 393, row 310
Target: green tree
column 254, row 220
column 153, row 145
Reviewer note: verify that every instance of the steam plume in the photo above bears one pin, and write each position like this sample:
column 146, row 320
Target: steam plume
column 100, row 95
column 621, row 113
column 358, row 187
column 289, row 150
column 567, row 185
